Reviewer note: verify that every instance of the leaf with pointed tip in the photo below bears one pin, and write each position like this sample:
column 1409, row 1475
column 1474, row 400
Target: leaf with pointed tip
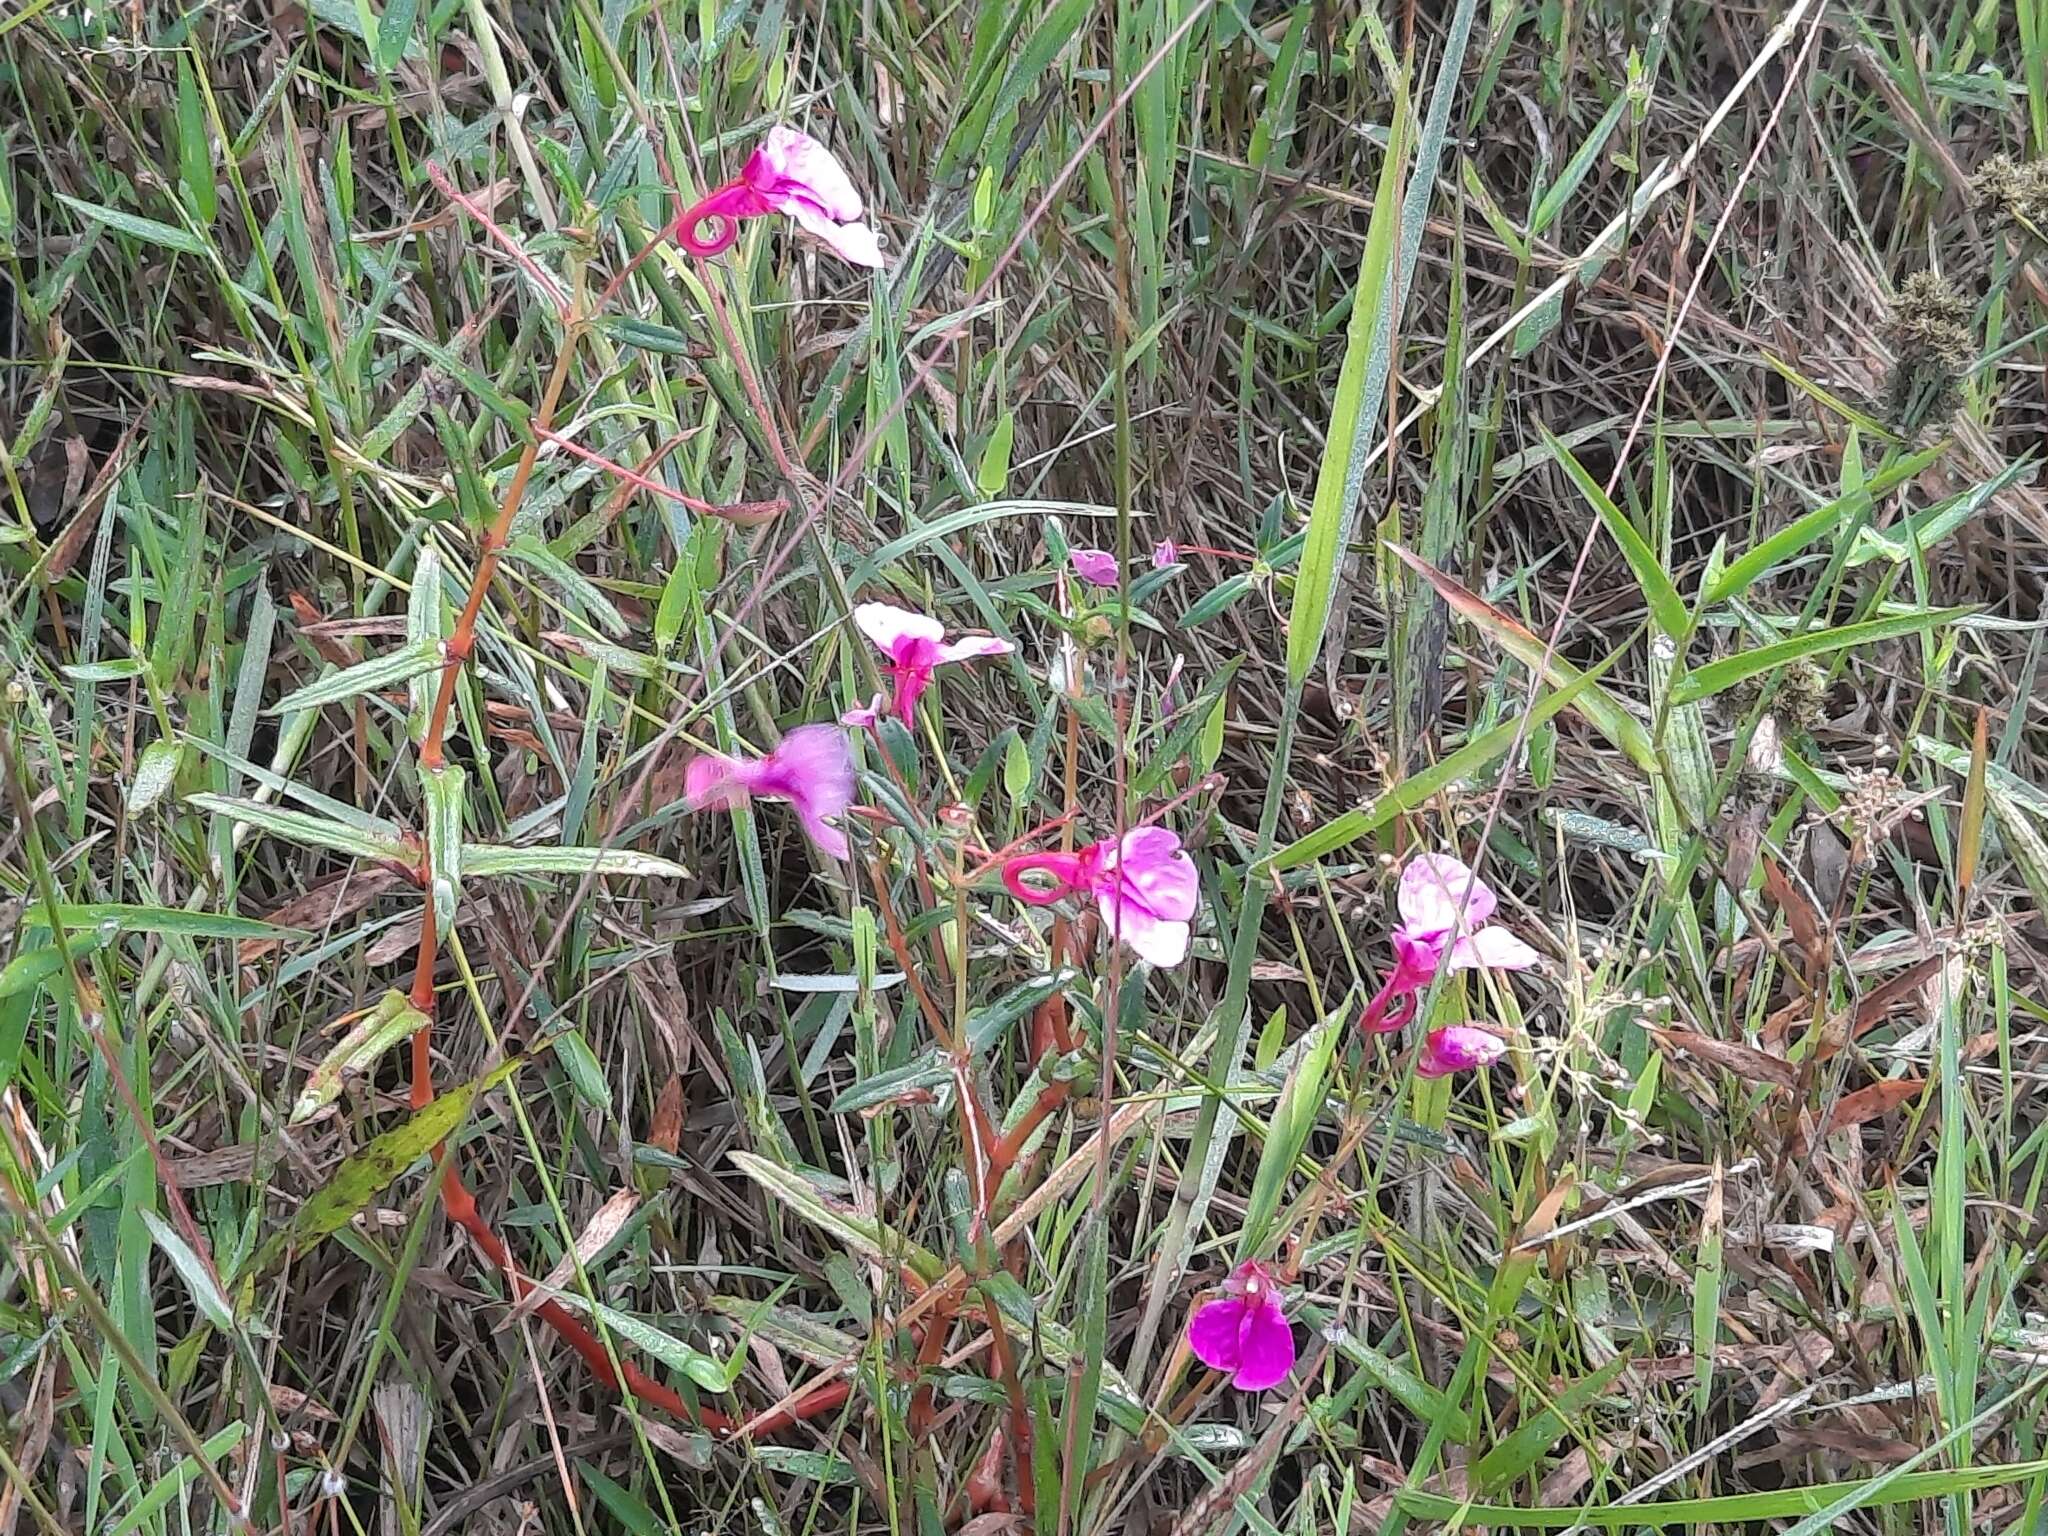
column 497, row 859
column 307, row 830
column 1601, row 709
column 372, row 676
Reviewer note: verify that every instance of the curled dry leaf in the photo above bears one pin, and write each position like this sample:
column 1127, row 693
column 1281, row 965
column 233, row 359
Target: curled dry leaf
column 1865, row 1105
column 1745, row 1061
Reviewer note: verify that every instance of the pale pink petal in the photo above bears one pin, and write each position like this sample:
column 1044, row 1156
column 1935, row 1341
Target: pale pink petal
column 856, row 243
column 797, row 161
column 1433, row 895
column 813, row 770
column 1158, row 941
column 1097, row 567
column 1492, row 948
column 828, row 838
column 1215, row 1330
column 714, row 780
column 1164, row 555
column 865, row 715
column 1458, row 1048
column 1265, row 1348
column 1151, row 862
column 970, row 646
column 889, row 626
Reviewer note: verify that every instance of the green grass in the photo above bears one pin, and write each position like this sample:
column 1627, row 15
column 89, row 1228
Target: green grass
column 1559, row 480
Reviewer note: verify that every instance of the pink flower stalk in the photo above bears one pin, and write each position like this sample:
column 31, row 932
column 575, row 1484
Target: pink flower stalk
column 1245, row 1331
column 916, row 646
column 1144, row 886
column 1097, row 567
column 811, row 768
column 1458, row 1048
column 788, row 172
column 1444, row 912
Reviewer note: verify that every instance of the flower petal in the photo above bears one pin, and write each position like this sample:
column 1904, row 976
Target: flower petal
column 1158, row 941
column 1097, row 567
column 1215, row 1330
column 1458, row 1048
column 1266, row 1348
column 854, row 242
column 970, row 646
column 813, row 770
column 1492, row 948
column 1151, row 862
column 791, row 160
column 1433, row 896
column 889, row 626
column 715, row 780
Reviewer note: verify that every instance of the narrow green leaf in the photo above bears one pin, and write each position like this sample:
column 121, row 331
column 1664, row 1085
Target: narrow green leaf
column 394, row 31
column 306, row 830
column 1353, row 419
column 120, row 917
column 863, row 1234
column 1719, row 676
column 1666, row 606
column 1601, row 709
column 191, row 1269
column 1533, row 1438
column 372, row 676
column 33, row 967
column 1287, row 1131
column 1467, row 761
column 707, row 1371
column 367, row 1173
column 1743, row 572
column 195, row 150
column 441, row 790
column 149, row 231
column 494, row 859
column 423, row 630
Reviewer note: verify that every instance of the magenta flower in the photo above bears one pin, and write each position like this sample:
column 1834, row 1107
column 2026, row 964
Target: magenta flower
column 1245, row 1331
column 1444, row 912
column 812, row 768
column 1097, row 567
column 788, row 172
column 916, row 646
column 1145, row 888
column 1164, row 554
column 1458, row 1048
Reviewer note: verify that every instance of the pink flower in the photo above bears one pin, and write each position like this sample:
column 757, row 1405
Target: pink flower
column 1458, row 1048
column 788, row 172
column 1144, row 886
column 812, row 768
column 1097, row 567
column 916, row 646
column 1245, row 1331
column 1444, row 908
column 1164, row 554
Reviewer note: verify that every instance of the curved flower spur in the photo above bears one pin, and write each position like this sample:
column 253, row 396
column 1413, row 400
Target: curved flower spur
column 789, row 172
column 1144, row 884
